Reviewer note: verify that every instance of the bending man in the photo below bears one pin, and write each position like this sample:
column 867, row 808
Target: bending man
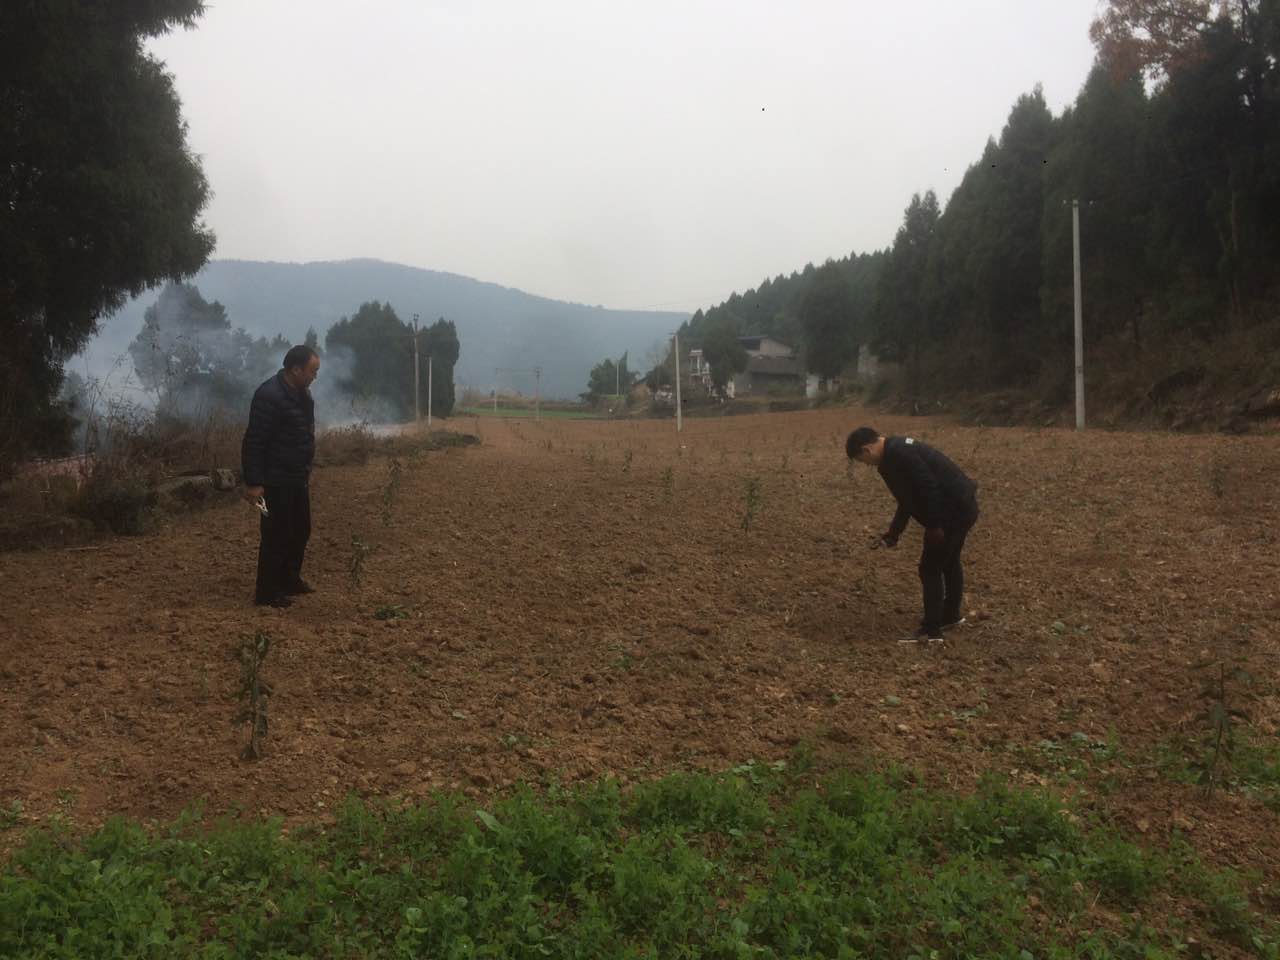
column 938, row 494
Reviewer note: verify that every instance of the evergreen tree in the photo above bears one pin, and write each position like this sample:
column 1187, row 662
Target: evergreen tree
column 100, row 193
column 826, row 315
column 440, row 341
column 377, row 362
column 726, row 356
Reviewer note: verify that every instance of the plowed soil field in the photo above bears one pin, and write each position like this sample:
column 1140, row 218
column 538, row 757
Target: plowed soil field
column 571, row 599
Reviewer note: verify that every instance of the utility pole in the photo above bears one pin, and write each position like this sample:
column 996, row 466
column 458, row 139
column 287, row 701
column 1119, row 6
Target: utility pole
column 430, row 370
column 1079, row 314
column 416, row 413
column 537, row 393
column 679, row 415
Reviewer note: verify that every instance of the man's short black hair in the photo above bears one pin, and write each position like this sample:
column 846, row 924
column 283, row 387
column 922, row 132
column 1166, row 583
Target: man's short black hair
column 859, row 439
column 298, row 357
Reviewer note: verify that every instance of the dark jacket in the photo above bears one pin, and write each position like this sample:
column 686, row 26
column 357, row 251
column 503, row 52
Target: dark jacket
column 280, row 441
column 926, row 484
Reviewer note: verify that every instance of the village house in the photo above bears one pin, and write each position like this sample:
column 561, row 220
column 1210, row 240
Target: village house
column 772, row 368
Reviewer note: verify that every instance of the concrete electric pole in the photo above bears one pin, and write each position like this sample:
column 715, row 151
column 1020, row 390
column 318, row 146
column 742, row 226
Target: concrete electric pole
column 416, row 413
column 1079, row 314
column 679, row 414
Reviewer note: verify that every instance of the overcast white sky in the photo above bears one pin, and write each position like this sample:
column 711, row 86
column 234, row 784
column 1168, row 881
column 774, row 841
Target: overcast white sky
column 633, row 154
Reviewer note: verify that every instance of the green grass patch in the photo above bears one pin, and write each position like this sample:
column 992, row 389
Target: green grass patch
column 761, row 861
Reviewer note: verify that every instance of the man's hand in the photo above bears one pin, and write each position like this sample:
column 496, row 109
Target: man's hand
column 889, row 539
column 253, row 493
column 935, row 536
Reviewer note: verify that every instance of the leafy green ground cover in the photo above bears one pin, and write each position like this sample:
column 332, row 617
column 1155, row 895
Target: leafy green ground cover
column 756, row 862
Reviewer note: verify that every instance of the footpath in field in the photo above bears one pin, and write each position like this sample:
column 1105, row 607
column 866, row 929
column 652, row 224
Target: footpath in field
column 577, row 599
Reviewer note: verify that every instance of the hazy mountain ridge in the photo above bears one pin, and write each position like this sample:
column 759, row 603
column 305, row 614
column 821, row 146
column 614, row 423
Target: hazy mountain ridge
column 498, row 326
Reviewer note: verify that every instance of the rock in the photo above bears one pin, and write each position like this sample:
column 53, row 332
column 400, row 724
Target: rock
column 186, row 488
column 407, row 769
column 892, row 701
column 1179, row 380
column 1265, row 403
column 903, row 728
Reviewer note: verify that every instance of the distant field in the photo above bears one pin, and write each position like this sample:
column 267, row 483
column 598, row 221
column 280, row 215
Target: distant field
column 501, row 411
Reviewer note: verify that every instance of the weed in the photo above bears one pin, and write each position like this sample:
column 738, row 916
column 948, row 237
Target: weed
column 391, row 612
column 254, row 693
column 626, row 461
column 668, row 484
column 11, row 815
column 395, row 471
column 1217, row 476
column 1221, row 720
column 359, row 552
column 751, row 502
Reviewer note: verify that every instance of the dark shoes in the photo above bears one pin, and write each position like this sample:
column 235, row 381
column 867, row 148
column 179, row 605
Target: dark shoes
column 285, row 597
column 925, row 635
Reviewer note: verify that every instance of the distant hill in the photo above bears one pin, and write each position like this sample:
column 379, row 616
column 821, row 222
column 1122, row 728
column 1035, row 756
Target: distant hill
column 498, row 326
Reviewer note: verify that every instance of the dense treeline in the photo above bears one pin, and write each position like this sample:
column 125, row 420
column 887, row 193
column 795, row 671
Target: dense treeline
column 1172, row 148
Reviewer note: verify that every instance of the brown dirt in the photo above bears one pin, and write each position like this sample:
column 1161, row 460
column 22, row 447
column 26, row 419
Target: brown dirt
column 569, row 619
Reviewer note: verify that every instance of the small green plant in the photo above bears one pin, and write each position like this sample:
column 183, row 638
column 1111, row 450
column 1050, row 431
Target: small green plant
column 751, row 502
column 668, row 484
column 1221, row 720
column 11, row 815
column 254, row 693
column 359, row 552
column 391, row 612
column 395, row 471
column 626, row 461
column 1218, row 476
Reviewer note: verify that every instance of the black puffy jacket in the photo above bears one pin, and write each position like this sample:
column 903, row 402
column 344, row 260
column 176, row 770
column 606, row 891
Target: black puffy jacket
column 926, row 484
column 280, row 441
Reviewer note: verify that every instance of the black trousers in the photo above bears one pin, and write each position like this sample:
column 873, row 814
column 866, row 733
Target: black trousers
column 285, row 531
column 941, row 575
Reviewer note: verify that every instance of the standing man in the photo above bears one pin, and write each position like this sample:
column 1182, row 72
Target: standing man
column 933, row 490
column 275, row 459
